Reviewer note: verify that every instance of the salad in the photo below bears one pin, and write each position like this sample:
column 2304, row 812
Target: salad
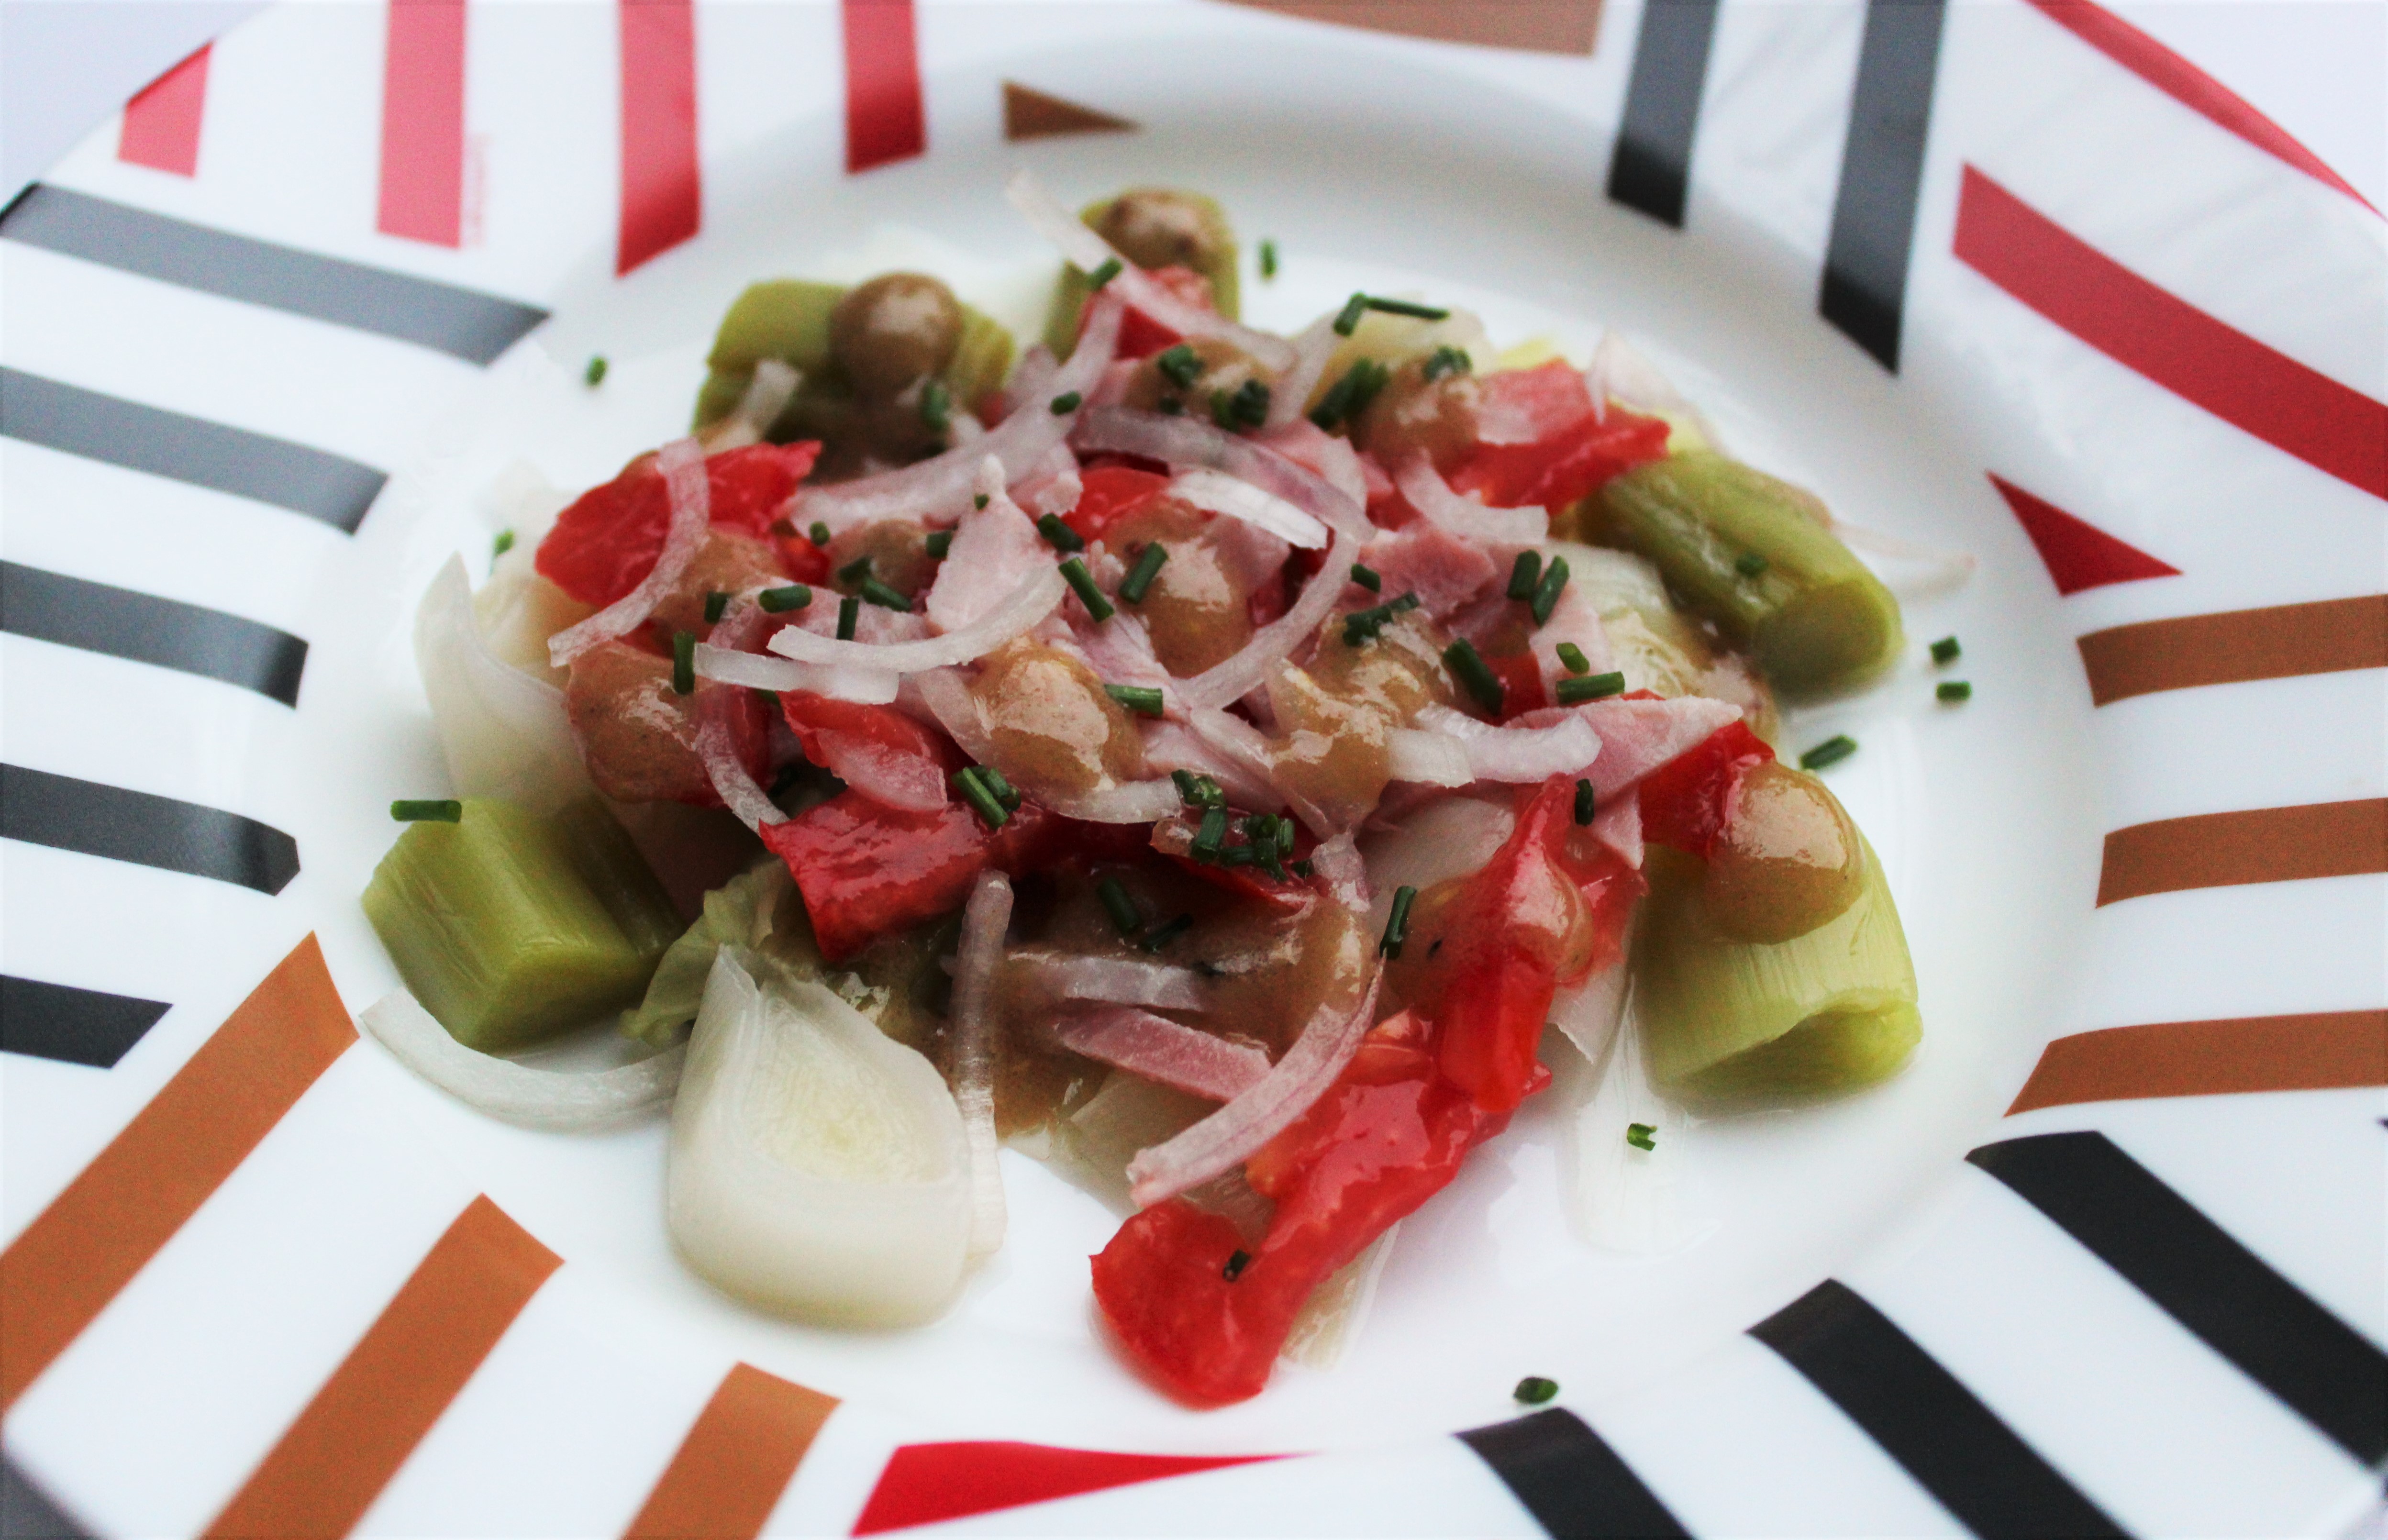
column 1204, row 760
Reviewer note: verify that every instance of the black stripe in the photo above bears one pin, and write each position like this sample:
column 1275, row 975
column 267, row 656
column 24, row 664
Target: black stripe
column 1572, row 1482
column 81, row 1026
column 50, row 606
column 459, row 321
column 1957, row 1448
column 83, row 816
column 1882, row 171
column 119, row 432
column 1652, row 162
column 2201, row 1278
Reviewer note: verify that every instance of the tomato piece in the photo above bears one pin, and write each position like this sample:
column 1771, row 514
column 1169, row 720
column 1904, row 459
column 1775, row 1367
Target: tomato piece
column 814, row 718
column 1174, row 837
column 1112, row 493
column 1140, row 336
column 606, row 542
column 1572, row 453
column 1687, row 801
column 1521, row 683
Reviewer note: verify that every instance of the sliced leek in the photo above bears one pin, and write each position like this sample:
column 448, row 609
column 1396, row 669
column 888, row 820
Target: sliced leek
column 788, row 319
column 757, row 910
column 1218, row 264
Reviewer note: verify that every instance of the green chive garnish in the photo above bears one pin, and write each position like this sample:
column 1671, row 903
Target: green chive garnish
column 1142, row 699
column 936, row 406
column 1474, row 675
column 1247, row 408
column 428, row 812
column 1367, row 578
column 716, row 602
column 1212, row 835
column 848, row 610
column 1237, row 1262
column 854, row 570
column 1953, row 691
column 879, row 593
column 974, row 792
column 1347, row 319
column 1199, row 790
column 1139, row 577
column 1586, row 808
column 938, row 544
column 1073, row 572
column 1000, row 787
column 818, row 533
column 1059, row 535
column 503, row 543
column 1180, row 365
column 1525, row 574
column 1533, row 1390
column 979, row 501
column 683, row 663
column 1066, row 402
column 1103, row 274
column 1946, row 650
column 1447, row 360
column 1397, row 924
column 595, row 373
column 1831, row 751
column 1124, row 919
column 1642, row 1136
column 778, row 600
column 1350, row 396
column 1575, row 692
column 1573, row 658
column 1546, row 597
column 1268, row 259
column 1161, row 935
column 1406, row 307
column 1364, row 625
column 1749, row 564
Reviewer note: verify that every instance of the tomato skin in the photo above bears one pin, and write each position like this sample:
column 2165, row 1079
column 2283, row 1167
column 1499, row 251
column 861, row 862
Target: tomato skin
column 1687, row 802
column 1140, row 336
column 1576, row 451
column 811, row 717
column 1521, row 683
column 1112, row 493
column 606, row 542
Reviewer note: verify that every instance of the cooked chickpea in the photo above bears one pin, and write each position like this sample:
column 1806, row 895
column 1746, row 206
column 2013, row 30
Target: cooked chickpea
column 1413, row 413
column 1158, row 227
column 1789, row 861
column 1052, row 727
column 893, row 330
column 1219, row 371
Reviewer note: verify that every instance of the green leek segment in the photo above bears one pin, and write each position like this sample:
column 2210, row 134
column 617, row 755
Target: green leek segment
column 788, row 319
column 1831, row 1011
column 511, row 927
column 1070, row 293
column 1750, row 553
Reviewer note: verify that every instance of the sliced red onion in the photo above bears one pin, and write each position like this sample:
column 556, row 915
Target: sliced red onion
column 1618, row 372
column 1192, row 443
column 1135, row 801
column 1332, row 460
column 1120, row 650
column 717, row 744
column 844, row 682
column 1427, row 758
column 683, row 464
column 553, row 1101
column 984, row 920
column 1619, row 826
column 767, row 396
column 1235, row 677
column 1463, row 517
column 996, row 548
column 1215, row 492
column 1032, row 380
column 888, row 777
column 1339, row 865
column 939, row 487
column 1114, row 981
column 1911, row 570
column 1636, row 737
column 1032, row 601
column 1259, row 1114
column 1312, row 347
column 1515, row 754
column 1087, row 251
column 1170, row 1052
column 1175, row 746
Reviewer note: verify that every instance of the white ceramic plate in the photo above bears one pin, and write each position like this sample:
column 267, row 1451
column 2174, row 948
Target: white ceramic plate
column 2003, row 279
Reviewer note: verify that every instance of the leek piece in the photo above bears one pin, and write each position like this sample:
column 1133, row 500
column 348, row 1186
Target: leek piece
column 982, row 360
column 511, row 927
column 1830, row 1010
column 758, row 909
column 788, row 319
column 1070, row 291
column 1749, row 552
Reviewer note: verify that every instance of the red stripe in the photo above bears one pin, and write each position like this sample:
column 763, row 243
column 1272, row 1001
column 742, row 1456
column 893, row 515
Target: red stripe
column 161, row 125
column 2080, row 556
column 663, row 191
column 925, row 1483
column 422, row 122
column 2187, row 85
column 882, row 85
column 2163, row 336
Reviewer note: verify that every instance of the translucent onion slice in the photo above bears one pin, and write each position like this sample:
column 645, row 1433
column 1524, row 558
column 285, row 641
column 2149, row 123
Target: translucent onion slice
column 1188, row 442
column 984, row 921
column 1620, row 373
column 1515, row 755
column 1031, row 602
column 1113, row 981
column 845, row 682
column 1427, row 758
column 1636, row 737
column 1087, row 251
column 768, row 394
column 1233, row 678
column 503, row 733
column 715, row 743
column 1314, row 346
column 1240, row 772
column 1169, row 1052
column 1258, row 1114
column 683, row 464
column 1338, row 863
column 1216, row 493
column 1463, row 517
column 551, row 1100
column 818, row 1167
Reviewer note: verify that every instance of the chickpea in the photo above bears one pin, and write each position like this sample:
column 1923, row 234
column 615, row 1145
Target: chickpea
column 1198, row 611
column 1157, row 228
column 893, row 330
column 899, row 550
column 1790, row 859
column 1219, row 372
column 1052, row 727
column 1413, row 413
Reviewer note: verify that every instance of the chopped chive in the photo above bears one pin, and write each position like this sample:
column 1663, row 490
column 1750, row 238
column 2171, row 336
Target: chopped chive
column 1546, row 597
column 1367, row 578
column 1237, row 1262
column 1533, row 1390
column 979, row 501
column 1268, row 259
column 1180, row 365
column 683, row 663
column 1749, row 564
column 1350, row 396
column 503, row 543
column 1364, row 625
column 1103, row 274
column 1586, row 807
column 938, row 544
column 779, row 599
column 1573, row 658
column 936, row 406
column 433, row 811
column 1065, row 403
column 1248, row 407
column 716, row 603
column 850, row 609
column 818, row 533
column 1397, row 924
column 1161, row 935
column 1284, row 832
column 1831, row 751
column 1302, row 868
column 1142, row 699
column 595, row 373
column 1525, row 574
column 1946, row 650
column 1124, row 919
column 1187, row 784
column 1597, row 687
column 1073, row 572
column 1642, row 1136
column 1139, row 577
column 976, row 793
column 1238, row 855
column 1212, row 835
column 1408, row 307
column 1954, row 690
column 1000, row 787
column 854, row 570
column 1170, row 406
column 1447, row 360
column 1199, row 790
column 1059, row 535
column 1475, row 676
column 1347, row 319
column 877, row 593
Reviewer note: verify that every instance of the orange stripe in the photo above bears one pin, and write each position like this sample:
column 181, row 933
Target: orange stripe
column 343, row 1449
column 1545, row 26
column 2264, row 844
column 81, row 1251
column 2287, row 642
column 2329, row 1052
column 736, row 1461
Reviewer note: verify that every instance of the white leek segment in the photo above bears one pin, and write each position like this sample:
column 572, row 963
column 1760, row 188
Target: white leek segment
column 551, row 1100
column 818, row 1168
column 690, row 493
column 984, row 921
column 774, row 384
column 503, row 733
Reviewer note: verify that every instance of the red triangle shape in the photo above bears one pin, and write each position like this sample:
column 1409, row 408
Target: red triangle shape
column 925, row 1483
column 2080, row 556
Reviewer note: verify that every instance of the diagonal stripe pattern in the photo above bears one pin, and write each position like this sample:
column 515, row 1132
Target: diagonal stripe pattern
column 2327, row 1050
column 50, row 606
column 2262, row 845
column 1865, row 290
column 1569, row 1477
column 74, row 1026
column 737, row 1459
column 147, row 830
column 926, row 1484
column 2235, row 648
column 1651, row 167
